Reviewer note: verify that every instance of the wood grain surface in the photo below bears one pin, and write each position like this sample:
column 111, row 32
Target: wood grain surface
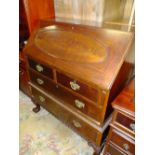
column 101, row 74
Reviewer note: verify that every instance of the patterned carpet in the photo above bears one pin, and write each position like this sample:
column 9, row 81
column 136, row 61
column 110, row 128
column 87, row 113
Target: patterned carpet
column 43, row 134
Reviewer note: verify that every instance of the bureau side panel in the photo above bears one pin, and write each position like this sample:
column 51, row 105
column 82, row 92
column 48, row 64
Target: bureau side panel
column 121, row 80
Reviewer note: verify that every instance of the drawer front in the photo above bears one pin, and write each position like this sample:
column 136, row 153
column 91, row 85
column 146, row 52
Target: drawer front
column 66, row 97
column 81, row 105
column 111, row 150
column 65, row 115
column 51, row 106
column 78, row 87
column 125, row 121
column 40, row 68
column 82, row 128
column 123, row 141
column 40, row 80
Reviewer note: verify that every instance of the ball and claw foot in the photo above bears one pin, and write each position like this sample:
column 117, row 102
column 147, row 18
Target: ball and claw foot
column 36, row 109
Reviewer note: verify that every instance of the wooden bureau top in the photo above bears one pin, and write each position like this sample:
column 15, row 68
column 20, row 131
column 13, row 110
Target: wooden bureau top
column 126, row 99
column 93, row 55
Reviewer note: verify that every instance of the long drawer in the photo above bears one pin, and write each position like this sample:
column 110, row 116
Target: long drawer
column 67, row 97
column 66, row 115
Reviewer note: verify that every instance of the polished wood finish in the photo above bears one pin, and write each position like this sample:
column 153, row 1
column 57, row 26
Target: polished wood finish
column 112, row 150
column 83, row 126
column 122, row 131
column 125, row 121
column 37, row 10
column 45, row 70
column 109, row 25
column 23, row 81
column 23, row 76
column 23, row 35
column 30, row 14
column 123, row 77
column 126, row 100
column 84, row 90
column 23, row 25
column 41, row 81
column 21, row 60
column 70, row 99
column 101, row 74
column 120, row 140
column 75, row 45
column 80, row 91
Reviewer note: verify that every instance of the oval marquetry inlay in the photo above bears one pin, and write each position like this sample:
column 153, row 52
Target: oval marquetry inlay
column 69, row 45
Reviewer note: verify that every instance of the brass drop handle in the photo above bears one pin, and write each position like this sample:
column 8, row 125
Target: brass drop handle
column 40, row 81
column 76, row 124
column 41, row 98
column 132, row 126
column 74, row 85
column 39, row 68
column 79, row 104
column 126, row 147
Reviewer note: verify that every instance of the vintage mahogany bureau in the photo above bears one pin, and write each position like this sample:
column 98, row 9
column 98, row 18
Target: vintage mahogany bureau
column 75, row 72
column 121, row 137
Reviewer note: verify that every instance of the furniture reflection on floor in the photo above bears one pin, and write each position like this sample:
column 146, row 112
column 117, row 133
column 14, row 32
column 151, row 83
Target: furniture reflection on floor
column 75, row 72
column 121, row 137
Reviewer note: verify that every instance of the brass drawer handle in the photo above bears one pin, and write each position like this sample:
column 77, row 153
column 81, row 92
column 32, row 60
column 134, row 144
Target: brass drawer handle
column 41, row 98
column 79, row 104
column 132, row 126
column 40, row 81
column 39, row 68
column 74, row 85
column 126, row 147
column 76, row 124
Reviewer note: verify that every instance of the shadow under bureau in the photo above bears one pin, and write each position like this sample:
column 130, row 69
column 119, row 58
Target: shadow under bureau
column 75, row 72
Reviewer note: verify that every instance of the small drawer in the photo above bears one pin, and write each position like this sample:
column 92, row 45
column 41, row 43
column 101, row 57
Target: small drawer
column 40, row 80
column 125, row 121
column 78, row 87
column 40, row 68
column 66, row 97
column 65, row 115
column 111, row 150
column 124, row 142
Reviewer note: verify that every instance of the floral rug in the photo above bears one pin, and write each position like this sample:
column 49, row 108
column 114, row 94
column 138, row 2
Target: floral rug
column 42, row 134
